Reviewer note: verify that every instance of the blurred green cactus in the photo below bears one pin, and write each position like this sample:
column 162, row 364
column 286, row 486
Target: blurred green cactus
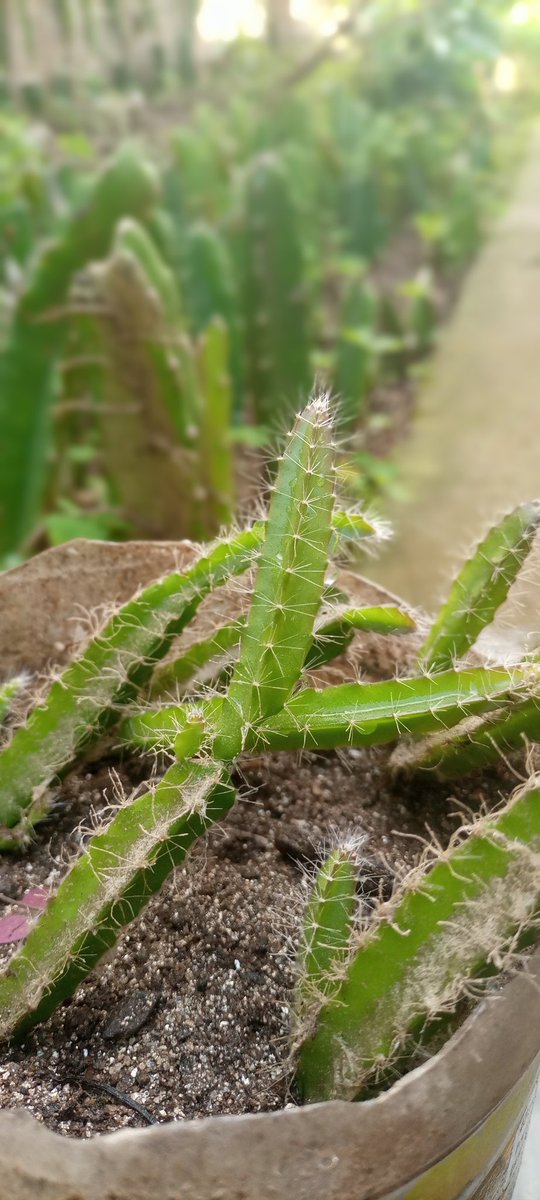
column 356, row 357
column 210, row 292
column 28, row 361
column 275, row 299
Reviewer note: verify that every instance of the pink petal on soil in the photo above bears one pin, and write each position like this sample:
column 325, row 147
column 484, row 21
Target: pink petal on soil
column 13, row 928
column 36, row 897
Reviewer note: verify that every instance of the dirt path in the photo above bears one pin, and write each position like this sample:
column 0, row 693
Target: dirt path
column 475, row 446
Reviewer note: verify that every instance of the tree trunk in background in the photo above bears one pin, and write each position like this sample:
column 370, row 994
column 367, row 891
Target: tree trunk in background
column 279, row 23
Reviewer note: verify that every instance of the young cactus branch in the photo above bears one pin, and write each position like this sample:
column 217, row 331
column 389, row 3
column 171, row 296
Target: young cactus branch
column 481, row 587
column 288, row 586
column 364, row 714
column 87, row 697
column 446, row 927
column 481, row 742
column 334, row 634
column 326, row 931
column 120, row 869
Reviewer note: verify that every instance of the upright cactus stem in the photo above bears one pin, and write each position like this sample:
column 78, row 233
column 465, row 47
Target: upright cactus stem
column 326, row 932
column 289, row 584
column 277, row 340
column 211, row 293
column 215, row 456
column 148, row 423
column 355, row 371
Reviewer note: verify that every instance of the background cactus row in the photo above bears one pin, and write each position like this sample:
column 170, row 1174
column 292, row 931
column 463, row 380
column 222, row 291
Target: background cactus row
column 283, row 231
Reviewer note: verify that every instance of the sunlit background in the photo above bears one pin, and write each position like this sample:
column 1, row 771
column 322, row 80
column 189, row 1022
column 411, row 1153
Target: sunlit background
column 225, row 21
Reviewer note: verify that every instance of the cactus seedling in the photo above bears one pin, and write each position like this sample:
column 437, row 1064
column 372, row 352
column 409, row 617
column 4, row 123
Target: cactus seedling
column 266, row 703
column 446, row 927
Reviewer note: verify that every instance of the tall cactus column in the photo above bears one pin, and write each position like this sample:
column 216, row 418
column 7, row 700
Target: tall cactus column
column 277, row 342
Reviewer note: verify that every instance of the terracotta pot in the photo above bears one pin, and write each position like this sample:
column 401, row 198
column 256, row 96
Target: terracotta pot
column 451, row 1130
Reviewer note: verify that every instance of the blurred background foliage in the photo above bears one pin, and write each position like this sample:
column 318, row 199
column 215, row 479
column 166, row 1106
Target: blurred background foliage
column 206, row 207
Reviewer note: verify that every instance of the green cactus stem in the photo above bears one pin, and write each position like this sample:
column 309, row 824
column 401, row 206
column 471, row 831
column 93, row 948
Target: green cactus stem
column 215, row 457
column 277, row 341
column 335, row 632
column 352, row 714
column 132, row 237
column 362, row 714
column 210, row 292
column 27, row 364
column 121, row 868
column 86, row 698
column 214, row 651
column 481, row 742
column 149, row 452
column 289, row 583
column 356, row 362
column 327, row 929
column 448, row 926
column 481, row 587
